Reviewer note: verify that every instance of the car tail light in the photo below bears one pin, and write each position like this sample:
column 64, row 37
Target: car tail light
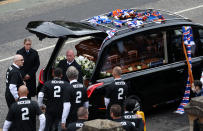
column 41, row 80
column 91, row 88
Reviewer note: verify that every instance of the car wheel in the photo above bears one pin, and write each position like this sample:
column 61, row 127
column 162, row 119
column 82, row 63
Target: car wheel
column 138, row 104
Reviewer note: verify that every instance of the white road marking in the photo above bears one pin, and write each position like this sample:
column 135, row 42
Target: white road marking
column 8, row 58
column 183, row 129
column 52, row 46
column 189, row 9
column 48, row 47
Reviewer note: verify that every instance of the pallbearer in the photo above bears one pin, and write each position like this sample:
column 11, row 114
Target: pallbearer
column 22, row 114
column 79, row 94
column 116, row 92
column 13, row 80
column 57, row 94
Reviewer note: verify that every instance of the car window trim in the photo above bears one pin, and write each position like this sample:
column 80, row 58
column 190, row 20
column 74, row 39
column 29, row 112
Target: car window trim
column 150, row 70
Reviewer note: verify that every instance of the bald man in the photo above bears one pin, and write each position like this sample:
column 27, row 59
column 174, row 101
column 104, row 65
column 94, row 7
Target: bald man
column 22, row 114
column 13, row 80
column 116, row 92
column 70, row 61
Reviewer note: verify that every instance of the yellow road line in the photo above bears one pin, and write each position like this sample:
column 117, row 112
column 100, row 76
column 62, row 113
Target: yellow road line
column 6, row 2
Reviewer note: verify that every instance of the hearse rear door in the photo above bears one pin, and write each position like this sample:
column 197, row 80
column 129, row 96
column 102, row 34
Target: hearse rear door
column 59, row 29
column 62, row 30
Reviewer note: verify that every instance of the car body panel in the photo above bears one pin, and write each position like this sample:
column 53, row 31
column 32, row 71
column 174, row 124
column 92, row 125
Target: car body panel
column 154, row 85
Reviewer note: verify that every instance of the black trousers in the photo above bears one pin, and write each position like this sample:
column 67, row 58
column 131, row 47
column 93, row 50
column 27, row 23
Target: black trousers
column 53, row 123
column 9, row 100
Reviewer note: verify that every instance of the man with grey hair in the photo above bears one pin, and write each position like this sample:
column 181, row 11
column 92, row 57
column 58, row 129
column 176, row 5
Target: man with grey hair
column 79, row 96
column 13, row 80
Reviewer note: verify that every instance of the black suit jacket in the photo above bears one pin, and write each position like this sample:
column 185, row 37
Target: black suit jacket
column 64, row 66
column 30, row 67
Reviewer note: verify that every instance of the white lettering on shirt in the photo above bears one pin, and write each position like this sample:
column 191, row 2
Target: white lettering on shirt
column 78, row 86
column 57, row 82
column 79, row 124
column 130, row 117
column 23, row 102
column 120, row 83
column 123, row 123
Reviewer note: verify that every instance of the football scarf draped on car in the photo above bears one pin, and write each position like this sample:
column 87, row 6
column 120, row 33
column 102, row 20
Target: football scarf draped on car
column 188, row 42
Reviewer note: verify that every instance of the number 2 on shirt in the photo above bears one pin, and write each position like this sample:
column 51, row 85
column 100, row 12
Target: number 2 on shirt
column 57, row 90
column 25, row 113
column 78, row 97
column 120, row 92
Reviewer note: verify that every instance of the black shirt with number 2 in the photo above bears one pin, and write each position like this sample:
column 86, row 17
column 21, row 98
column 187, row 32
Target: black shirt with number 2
column 22, row 114
column 116, row 92
column 56, row 92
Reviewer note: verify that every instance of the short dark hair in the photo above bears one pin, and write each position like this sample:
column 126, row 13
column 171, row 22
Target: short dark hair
column 58, row 72
column 116, row 110
column 129, row 104
column 82, row 111
column 198, row 83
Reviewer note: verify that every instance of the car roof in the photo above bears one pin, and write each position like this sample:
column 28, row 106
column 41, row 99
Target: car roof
column 169, row 18
column 58, row 29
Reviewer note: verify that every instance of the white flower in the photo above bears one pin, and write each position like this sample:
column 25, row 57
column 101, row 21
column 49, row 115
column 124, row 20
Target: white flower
column 86, row 66
column 139, row 67
column 108, row 74
column 81, row 58
column 130, row 68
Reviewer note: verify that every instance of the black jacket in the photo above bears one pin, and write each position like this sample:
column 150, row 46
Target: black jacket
column 64, row 66
column 30, row 67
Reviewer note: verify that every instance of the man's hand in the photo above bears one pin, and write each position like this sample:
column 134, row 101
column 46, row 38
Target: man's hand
column 63, row 126
column 16, row 99
column 43, row 108
column 27, row 77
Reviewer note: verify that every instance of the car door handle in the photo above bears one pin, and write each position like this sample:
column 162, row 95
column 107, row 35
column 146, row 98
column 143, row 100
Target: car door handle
column 180, row 70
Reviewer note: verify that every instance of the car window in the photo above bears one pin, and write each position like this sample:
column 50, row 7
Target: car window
column 200, row 31
column 134, row 53
column 175, row 49
column 198, row 37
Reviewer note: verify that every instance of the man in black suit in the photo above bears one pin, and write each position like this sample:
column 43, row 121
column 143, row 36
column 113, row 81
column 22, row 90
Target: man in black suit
column 70, row 61
column 30, row 67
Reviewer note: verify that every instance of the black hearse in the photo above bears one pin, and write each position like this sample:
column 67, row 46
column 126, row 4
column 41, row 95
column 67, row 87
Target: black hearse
column 151, row 55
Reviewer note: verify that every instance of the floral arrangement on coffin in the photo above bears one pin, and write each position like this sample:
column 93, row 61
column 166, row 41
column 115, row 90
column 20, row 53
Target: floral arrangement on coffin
column 58, row 59
column 86, row 65
column 105, row 74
